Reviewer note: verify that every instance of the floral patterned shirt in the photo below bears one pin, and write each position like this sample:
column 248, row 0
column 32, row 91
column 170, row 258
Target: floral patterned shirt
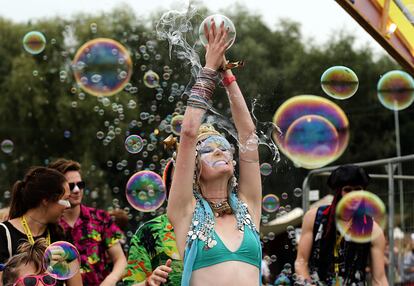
column 151, row 246
column 93, row 234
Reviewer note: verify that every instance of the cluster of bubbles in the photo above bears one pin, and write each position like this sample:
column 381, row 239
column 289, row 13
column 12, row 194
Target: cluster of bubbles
column 145, row 191
column 396, row 90
column 34, row 42
column 62, row 259
column 356, row 213
column 218, row 20
column 102, row 67
column 339, row 82
column 315, row 131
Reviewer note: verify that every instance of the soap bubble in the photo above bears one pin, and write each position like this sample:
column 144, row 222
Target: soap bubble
column 62, row 259
column 218, row 19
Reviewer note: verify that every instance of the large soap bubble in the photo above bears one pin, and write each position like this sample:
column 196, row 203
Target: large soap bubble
column 396, row 90
column 62, row 259
column 34, row 42
column 355, row 214
column 311, row 141
column 145, row 191
column 305, row 105
column 102, row 67
column 339, row 82
column 218, row 19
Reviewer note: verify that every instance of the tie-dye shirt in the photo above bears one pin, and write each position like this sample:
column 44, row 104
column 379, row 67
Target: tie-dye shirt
column 93, row 234
column 151, row 246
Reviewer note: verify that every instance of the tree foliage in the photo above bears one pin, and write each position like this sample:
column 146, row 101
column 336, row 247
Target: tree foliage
column 47, row 115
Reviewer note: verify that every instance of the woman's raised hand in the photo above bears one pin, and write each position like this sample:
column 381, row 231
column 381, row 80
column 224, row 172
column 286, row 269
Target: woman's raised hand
column 216, row 46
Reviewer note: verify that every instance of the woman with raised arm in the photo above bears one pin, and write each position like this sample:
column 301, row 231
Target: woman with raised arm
column 216, row 216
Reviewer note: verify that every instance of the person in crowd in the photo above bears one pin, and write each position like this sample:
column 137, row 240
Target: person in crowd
column 153, row 256
column 26, row 268
column 324, row 255
column 38, row 202
column 215, row 215
column 408, row 263
column 4, row 214
column 92, row 231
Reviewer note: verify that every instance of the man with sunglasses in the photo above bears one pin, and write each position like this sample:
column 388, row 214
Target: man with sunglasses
column 92, row 231
column 324, row 256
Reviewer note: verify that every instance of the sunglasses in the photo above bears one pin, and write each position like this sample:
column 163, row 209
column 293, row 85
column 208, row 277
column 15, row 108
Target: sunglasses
column 348, row 189
column 80, row 184
column 33, row 280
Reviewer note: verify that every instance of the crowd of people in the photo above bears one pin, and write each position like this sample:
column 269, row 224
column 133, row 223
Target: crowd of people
column 210, row 233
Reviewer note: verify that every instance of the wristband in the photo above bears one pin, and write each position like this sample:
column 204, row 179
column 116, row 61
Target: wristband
column 227, row 80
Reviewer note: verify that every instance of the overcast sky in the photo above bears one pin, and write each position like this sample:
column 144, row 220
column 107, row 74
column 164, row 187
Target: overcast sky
column 320, row 19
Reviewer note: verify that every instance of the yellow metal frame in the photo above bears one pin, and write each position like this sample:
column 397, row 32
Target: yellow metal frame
column 375, row 16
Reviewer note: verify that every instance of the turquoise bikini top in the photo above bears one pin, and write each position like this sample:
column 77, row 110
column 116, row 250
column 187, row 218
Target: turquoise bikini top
column 249, row 252
column 205, row 248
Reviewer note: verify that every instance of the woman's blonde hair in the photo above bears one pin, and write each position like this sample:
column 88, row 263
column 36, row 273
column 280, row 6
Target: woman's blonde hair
column 27, row 253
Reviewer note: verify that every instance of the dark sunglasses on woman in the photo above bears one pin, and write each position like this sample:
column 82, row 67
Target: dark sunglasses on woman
column 80, row 184
column 33, row 280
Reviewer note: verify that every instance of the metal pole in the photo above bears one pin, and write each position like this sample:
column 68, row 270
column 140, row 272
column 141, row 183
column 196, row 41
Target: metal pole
column 391, row 213
column 400, row 188
column 305, row 194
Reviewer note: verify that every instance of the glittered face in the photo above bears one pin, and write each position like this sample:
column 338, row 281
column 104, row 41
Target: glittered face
column 208, row 151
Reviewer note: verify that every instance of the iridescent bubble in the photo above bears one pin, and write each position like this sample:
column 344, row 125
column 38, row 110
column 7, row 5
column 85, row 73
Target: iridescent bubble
column 62, row 259
column 218, row 19
column 270, row 203
column 134, row 144
column 311, row 141
column 34, row 42
column 102, row 67
column 297, row 192
column 339, row 82
column 396, row 90
column 7, row 146
column 140, row 186
column 304, row 105
column 176, row 122
column 356, row 213
column 151, row 79
column 265, row 169
column 67, row 134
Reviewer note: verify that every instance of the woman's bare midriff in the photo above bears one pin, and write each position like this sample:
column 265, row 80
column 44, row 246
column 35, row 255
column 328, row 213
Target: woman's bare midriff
column 225, row 274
